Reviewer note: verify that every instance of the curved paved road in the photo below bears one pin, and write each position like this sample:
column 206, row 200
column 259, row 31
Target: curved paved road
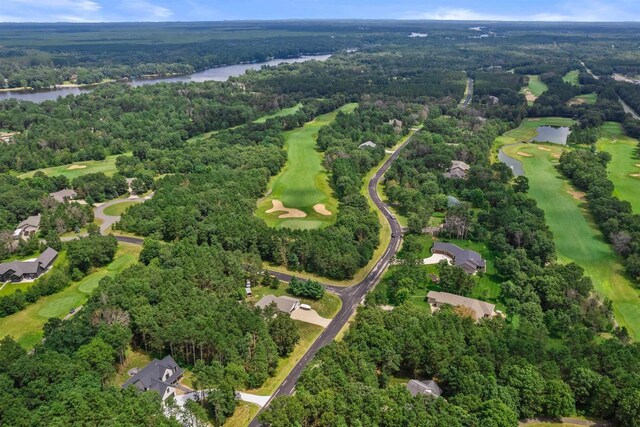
column 352, row 296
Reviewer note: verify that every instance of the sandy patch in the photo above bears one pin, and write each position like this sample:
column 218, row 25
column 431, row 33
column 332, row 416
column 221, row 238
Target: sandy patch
column 288, row 212
column 637, row 165
column 544, row 148
column 533, row 120
column 579, row 195
column 75, row 167
column 635, row 175
column 556, row 155
column 321, row 209
column 523, row 154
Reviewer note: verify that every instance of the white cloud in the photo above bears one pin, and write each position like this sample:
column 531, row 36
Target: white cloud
column 456, row 14
column 148, row 10
column 82, row 5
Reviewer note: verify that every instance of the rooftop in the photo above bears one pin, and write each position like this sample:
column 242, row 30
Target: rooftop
column 466, row 259
column 429, row 387
column 284, row 303
column 157, row 375
column 480, row 308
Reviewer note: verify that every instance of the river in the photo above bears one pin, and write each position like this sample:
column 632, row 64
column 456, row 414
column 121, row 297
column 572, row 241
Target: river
column 218, row 74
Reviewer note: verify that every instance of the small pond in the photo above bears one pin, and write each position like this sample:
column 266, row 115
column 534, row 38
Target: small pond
column 514, row 165
column 552, row 134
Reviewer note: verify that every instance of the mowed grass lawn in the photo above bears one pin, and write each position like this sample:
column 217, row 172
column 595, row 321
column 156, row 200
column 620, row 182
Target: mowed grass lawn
column 587, row 98
column 119, row 208
column 528, row 129
column 327, row 306
column 303, row 182
column 624, row 162
column 534, row 88
column 26, row 325
column 576, row 236
column 572, row 77
column 284, row 112
column 74, row 170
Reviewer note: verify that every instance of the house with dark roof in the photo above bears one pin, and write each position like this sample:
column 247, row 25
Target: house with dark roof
column 479, row 309
column 284, row 303
column 429, row 388
column 17, row 271
column 458, row 170
column 27, row 228
column 161, row 376
column 64, row 196
column 470, row 261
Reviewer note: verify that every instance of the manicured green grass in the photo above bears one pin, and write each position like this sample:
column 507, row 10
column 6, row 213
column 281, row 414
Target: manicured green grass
column 534, row 88
column 303, row 182
column 624, row 162
column 242, row 416
column 308, row 334
column 327, row 306
column 133, row 359
column 576, row 236
column 284, row 112
column 26, row 325
column 528, row 130
column 71, row 171
column 572, row 77
column 587, row 98
column 119, row 208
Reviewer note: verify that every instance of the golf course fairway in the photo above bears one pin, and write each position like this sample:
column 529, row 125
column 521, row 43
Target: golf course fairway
column 624, row 163
column 576, row 236
column 299, row 196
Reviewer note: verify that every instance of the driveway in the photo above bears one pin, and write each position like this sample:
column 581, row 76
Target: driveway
column 436, row 258
column 310, row 316
column 108, row 220
column 261, row 401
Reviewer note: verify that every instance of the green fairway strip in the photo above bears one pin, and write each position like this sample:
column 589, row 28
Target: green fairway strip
column 303, row 182
column 624, row 158
column 572, row 77
column 576, row 236
column 74, row 170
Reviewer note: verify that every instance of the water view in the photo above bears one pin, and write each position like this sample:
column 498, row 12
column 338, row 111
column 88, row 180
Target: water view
column 552, row 134
column 219, row 74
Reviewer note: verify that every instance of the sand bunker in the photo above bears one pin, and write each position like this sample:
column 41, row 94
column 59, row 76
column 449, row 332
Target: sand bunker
column 533, row 120
column 544, row 148
column 74, row 167
column 579, row 195
column 523, row 154
column 635, row 175
column 288, row 212
column 637, row 165
column 556, row 155
column 321, row 209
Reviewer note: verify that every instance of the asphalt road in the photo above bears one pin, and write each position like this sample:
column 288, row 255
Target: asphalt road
column 351, row 296
column 467, row 100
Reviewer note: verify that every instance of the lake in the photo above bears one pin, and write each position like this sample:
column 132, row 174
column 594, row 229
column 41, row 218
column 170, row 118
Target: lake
column 552, row 134
column 218, row 74
column 514, row 165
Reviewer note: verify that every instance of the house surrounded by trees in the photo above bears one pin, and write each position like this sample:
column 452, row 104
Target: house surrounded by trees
column 470, row 261
column 159, row 375
column 479, row 309
column 458, row 170
column 285, row 304
column 27, row 228
column 18, row 271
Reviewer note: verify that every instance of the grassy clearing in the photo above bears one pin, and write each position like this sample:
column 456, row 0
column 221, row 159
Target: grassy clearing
column 244, row 413
column 587, row 98
column 308, row 334
column 284, row 112
column 576, row 236
column 327, row 306
column 528, row 130
column 303, row 182
column 119, row 208
column 133, row 359
column 534, row 89
column 572, row 77
column 26, row 325
column 624, row 162
column 74, row 170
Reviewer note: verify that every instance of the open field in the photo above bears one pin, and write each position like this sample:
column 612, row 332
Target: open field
column 26, row 325
column 308, row 334
column 528, row 130
column 587, row 98
column 572, row 77
column 303, row 182
column 576, row 236
column 284, row 112
column 74, row 170
column 624, row 162
column 534, row 89
column 119, row 208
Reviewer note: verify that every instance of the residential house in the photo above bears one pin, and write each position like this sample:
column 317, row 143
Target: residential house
column 27, row 228
column 284, row 303
column 458, row 170
column 479, row 309
column 64, row 196
column 470, row 261
column 18, row 271
column 368, row 144
column 159, row 375
column 430, row 388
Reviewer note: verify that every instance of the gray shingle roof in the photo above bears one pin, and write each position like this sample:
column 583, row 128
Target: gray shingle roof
column 33, row 221
column 368, row 144
column 284, row 303
column 480, row 308
column 466, row 259
column 151, row 377
column 21, row 268
column 430, row 387
column 61, row 195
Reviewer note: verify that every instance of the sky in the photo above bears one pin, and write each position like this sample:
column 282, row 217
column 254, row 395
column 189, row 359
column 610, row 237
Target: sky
column 217, row 10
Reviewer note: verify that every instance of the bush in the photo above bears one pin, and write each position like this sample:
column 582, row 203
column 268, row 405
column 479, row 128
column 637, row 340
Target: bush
column 309, row 289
